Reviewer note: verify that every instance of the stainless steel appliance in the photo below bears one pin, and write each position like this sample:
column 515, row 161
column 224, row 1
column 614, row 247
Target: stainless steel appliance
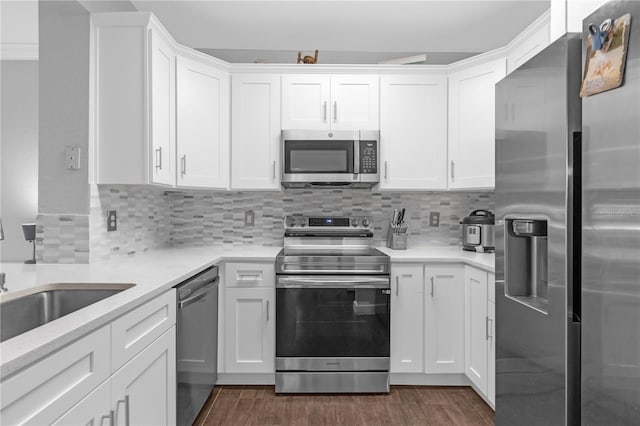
column 332, row 307
column 478, row 231
column 197, row 343
column 568, row 240
column 330, row 159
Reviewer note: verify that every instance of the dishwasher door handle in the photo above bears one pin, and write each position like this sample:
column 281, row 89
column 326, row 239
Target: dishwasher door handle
column 197, row 296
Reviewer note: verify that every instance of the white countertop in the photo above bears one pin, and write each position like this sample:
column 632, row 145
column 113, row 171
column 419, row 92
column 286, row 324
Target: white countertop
column 153, row 273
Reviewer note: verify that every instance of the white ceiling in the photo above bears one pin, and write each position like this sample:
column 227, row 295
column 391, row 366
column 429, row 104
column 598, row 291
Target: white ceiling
column 243, row 30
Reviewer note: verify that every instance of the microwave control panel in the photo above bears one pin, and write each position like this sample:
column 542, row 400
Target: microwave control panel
column 368, row 157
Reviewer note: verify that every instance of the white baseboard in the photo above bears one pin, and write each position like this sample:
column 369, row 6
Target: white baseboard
column 429, row 379
column 246, row 379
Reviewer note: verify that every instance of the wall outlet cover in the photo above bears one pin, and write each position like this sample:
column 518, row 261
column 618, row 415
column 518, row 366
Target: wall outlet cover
column 112, row 220
column 434, row 219
column 72, row 157
column 249, row 218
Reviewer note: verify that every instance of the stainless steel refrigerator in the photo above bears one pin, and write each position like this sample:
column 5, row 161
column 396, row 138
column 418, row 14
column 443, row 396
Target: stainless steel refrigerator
column 568, row 240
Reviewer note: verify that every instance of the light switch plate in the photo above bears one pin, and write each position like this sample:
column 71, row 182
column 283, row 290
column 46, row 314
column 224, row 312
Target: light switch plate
column 112, row 220
column 72, row 157
column 249, row 218
column 434, row 219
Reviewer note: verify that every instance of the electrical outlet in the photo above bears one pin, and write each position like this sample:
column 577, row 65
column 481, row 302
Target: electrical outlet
column 72, row 157
column 112, row 221
column 249, row 218
column 434, row 219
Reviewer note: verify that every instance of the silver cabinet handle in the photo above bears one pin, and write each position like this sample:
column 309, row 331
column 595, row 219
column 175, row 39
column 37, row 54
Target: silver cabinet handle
column 267, row 311
column 486, row 324
column 127, row 421
column 159, row 158
column 109, row 416
column 431, row 286
column 184, row 164
column 335, row 111
column 324, row 113
column 453, row 170
column 397, row 285
column 385, row 170
column 274, row 171
column 490, row 327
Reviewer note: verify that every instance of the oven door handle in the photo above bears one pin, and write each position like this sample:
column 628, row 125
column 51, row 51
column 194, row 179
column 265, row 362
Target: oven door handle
column 332, row 282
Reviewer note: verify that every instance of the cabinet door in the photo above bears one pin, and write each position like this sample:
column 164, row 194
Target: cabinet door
column 255, row 106
column 144, row 389
column 476, row 327
column 305, row 101
column 406, row 318
column 48, row 388
column 163, row 118
column 491, row 356
column 444, row 314
column 354, row 102
column 203, row 125
column 249, row 330
column 413, row 132
column 472, row 125
column 94, row 410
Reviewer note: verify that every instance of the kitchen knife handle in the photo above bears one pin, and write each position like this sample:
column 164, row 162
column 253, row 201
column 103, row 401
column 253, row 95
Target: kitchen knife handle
column 109, row 416
column 335, row 111
column 397, row 285
column 385, row 170
column 324, row 113
column 432, row 286
column 127, row 418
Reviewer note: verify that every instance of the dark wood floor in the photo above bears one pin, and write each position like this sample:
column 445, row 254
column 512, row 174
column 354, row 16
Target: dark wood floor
column 405, row 405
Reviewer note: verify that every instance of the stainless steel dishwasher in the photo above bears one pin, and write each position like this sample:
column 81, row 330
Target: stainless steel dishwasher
column 197, row 343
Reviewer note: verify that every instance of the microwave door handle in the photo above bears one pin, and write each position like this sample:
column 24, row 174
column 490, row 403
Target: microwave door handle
column 356, row 157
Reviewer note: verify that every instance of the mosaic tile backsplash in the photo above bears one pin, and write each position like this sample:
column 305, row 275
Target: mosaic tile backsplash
column 143, row 214
column 218, row 218
column 150, row 217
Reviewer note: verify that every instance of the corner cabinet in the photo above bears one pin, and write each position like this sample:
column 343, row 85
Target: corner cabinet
column 202, row 115
column 413, row 132
column 255, row 136
column 472, row 125
column 407, row 282
column 148, row 125
column 330, row 102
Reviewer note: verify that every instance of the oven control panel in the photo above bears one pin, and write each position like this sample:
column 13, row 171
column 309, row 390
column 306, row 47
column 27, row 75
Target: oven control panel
column 327, row 222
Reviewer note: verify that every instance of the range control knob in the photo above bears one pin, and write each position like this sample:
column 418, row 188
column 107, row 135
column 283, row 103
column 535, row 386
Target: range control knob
column 290, row 221
column 365, row 222
column 354, row 222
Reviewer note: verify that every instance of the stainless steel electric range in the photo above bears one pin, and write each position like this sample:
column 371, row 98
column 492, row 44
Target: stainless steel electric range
column 332, row 307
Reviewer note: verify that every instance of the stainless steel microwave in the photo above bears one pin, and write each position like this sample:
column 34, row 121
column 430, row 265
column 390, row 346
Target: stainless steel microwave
column 330, row 159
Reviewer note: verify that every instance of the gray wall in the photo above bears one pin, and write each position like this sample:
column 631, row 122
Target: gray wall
column 18, row 155
column 64, row 106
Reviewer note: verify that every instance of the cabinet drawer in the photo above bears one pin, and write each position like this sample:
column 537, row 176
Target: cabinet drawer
column 44, row 391
column 135, row 330
column 250, row 274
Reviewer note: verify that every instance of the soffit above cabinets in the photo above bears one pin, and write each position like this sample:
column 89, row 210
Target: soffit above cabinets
column 380, row 28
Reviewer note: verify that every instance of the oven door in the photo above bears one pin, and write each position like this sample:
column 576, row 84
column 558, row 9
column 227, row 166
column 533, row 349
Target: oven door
column 332, row 322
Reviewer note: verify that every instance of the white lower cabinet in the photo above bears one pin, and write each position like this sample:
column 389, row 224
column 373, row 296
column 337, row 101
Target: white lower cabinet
column 407, row 282
column 443, row 319
column 479, row 331
column 144, row 390
column 78, row 384
column 249, row 330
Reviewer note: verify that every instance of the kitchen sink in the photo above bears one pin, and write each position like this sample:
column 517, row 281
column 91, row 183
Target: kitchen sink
column 24, row 311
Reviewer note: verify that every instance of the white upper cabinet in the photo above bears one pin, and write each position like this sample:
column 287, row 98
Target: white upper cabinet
column 413, row 132
column 255, row 135
column 444, row 319
column 324, row 102
column 472, row 125
column 202, row 124
column 134, row 100
column 407, row 282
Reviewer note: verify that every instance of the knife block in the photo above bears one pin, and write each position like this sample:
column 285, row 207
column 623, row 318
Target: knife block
column 397, row 237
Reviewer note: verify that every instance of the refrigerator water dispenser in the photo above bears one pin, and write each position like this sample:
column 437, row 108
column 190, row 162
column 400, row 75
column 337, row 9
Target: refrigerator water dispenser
column 526, row 262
